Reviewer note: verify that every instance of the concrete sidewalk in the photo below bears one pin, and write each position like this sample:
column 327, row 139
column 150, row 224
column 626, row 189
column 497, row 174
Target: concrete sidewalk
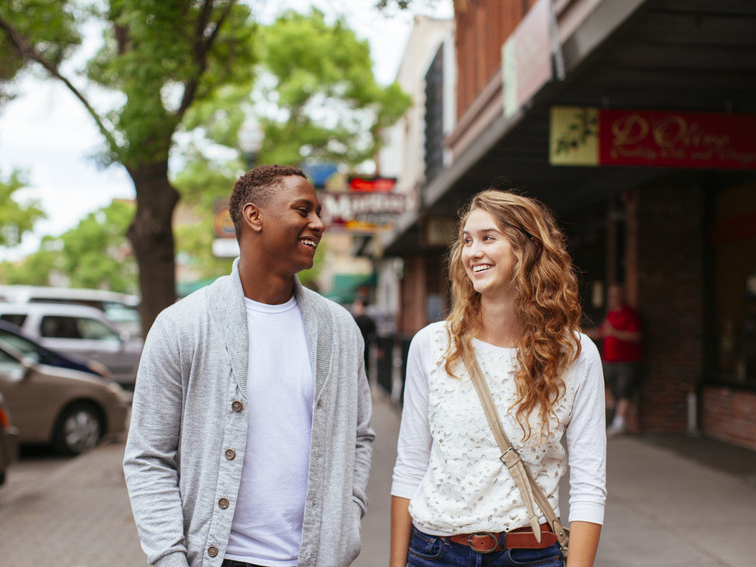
column 665, row 509
column 77, row 517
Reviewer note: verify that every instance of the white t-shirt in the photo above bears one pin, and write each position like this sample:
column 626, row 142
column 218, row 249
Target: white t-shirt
column 267, row 525
column 447, row 458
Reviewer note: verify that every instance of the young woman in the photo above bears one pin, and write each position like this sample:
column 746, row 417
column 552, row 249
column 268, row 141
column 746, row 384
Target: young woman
column 516, row 311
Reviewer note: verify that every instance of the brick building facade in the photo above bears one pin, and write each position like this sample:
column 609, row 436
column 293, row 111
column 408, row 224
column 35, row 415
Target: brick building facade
column 681, row 239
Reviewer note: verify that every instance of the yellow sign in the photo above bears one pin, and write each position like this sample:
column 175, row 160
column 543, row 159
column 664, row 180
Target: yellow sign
column 574, row 136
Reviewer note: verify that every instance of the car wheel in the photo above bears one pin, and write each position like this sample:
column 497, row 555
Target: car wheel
column 79, row 429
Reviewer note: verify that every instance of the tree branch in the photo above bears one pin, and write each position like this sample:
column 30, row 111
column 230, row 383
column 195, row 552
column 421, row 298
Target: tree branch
column 201, row 49
column 28, row 51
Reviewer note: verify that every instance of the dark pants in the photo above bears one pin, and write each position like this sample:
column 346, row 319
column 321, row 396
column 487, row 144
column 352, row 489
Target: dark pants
column 622, row 379
column 430, row 551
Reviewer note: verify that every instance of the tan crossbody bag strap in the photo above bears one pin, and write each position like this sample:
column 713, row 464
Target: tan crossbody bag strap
column 531, row 492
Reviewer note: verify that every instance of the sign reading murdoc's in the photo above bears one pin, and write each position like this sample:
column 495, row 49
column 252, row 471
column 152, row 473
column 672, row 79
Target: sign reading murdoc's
column 363, row 211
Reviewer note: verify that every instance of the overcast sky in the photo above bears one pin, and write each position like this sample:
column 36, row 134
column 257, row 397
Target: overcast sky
column 47, row 135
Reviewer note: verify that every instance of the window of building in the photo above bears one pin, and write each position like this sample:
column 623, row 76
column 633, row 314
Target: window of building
column 733, row 238
column 434, row 117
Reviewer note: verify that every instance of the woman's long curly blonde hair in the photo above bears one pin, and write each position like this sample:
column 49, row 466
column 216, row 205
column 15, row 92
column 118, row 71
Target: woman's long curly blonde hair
column 547, row 301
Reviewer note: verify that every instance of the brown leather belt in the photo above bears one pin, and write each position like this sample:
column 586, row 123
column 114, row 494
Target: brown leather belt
column 522, row 538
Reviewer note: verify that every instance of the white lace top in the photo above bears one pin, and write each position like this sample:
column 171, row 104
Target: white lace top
column 447, row 458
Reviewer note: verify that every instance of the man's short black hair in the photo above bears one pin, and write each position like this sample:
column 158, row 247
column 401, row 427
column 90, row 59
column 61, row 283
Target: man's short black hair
column 256, row 186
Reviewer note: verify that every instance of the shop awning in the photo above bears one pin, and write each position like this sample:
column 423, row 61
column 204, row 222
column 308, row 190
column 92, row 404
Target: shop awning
column 689, row 55
column 346, row 287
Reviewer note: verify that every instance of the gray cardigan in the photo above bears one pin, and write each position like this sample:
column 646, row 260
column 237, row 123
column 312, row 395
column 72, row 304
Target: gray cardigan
column 185, row 448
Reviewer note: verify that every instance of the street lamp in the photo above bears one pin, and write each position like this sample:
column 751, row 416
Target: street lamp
column 251, row 139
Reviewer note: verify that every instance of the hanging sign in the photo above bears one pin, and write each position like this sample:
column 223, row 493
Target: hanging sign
column 223, row 226
column 592, row 137
column 361, row 212
column 224, row 243
column 526, row 58
column 372, row 184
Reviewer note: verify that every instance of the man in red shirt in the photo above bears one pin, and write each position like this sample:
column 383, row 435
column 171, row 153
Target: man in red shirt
column 622, row 353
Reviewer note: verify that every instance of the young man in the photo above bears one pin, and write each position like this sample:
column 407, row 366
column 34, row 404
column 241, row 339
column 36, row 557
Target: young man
column 622, row 353
column 368, row 328
column 250, row 441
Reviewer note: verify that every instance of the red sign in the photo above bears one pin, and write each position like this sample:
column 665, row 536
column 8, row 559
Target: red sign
column 376, row 184
column 676, row 139
column 654, row 138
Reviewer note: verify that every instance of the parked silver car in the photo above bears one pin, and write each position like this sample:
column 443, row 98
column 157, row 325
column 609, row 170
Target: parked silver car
column 69, row 408
column 81, row 331
column 27, row 346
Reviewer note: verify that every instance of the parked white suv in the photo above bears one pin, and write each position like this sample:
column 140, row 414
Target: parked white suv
column 120, row 308
column 79, row 330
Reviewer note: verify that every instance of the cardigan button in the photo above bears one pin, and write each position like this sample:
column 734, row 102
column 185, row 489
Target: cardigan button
column 212, row 551
column 237, row 406
column 230, row 454
column 223, row 503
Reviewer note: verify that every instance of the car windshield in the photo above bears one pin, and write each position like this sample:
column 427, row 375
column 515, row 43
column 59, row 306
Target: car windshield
column 118, row 312
column 70, row 327
column 21, row 344
column 8, row 363
column 16, row 319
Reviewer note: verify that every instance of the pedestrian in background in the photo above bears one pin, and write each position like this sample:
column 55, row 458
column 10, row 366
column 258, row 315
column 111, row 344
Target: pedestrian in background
column 250, row 440
column 368, row 328
column 620, row 333
column 516, row 312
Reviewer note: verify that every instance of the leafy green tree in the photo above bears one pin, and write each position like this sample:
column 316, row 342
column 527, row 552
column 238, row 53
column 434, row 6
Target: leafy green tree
column 38, row 268
column 184, row 64
column 202, row 183
column 93, row 254
column 96, row 254
column 329, row 107
column 15, row 218
column 162, row 56
column 308, row 65
column 49, row 29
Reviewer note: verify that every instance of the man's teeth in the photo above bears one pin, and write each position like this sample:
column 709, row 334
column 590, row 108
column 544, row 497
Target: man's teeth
column 310, row 243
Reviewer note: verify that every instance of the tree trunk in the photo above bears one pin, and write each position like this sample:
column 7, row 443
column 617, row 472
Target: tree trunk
column 151, row 237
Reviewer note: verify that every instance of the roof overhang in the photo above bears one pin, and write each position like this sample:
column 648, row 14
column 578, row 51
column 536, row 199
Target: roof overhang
column 686, row 55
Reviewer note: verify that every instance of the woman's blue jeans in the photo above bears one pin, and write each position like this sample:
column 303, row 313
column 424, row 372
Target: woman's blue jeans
column 431, row 551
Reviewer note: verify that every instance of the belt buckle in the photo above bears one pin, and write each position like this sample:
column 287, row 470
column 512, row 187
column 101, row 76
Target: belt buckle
column 494, row 537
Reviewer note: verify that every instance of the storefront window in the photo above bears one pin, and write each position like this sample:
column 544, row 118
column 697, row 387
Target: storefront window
column 733, row 235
